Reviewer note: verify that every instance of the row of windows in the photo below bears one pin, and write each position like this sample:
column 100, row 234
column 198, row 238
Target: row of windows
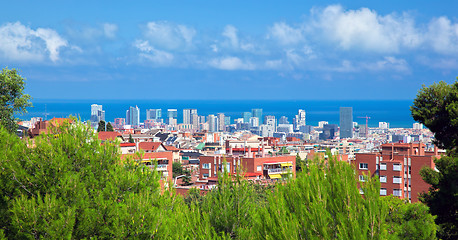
column 396, row 166
column 396, row 179
column 396, row 192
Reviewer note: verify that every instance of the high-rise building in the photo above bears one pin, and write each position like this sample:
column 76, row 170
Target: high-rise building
column 212, row 123
column 257, row 112
column 187, row 113
column 171, row 115
column 133, row 116
column 417, row 126
column 346, row 122
column 97, row 115
column 246, row 117
column 300, row 119
column 154, row 114
column 119, row 122
column 254, row 122
column 195, row 121
column 221, row 122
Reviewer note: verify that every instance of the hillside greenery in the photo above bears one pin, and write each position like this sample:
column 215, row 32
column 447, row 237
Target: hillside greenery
column 65, row 184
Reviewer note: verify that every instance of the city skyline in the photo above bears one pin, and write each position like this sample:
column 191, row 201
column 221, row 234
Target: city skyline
column 230, row 50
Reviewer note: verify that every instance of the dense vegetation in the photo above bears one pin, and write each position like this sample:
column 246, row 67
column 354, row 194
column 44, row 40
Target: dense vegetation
column 67, row 185
column 436, row 107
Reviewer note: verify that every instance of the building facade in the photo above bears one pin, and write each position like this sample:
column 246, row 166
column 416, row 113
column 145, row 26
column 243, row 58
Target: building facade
column 346, row 122
column 398, row 168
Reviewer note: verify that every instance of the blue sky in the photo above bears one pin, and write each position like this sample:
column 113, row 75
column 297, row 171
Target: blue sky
column 229, row 49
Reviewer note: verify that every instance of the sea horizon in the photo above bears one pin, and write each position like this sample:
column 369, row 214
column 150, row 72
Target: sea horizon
column 395, row 112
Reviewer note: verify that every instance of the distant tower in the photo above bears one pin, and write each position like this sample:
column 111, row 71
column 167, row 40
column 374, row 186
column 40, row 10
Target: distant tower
column 154, row 114
column 257, row 112
column 187, row 115
column 246, row 117
column 300, row 119
column 171, row 115
column 97, row 115
column 221, row 122
column 346, row 122
column 133, row 116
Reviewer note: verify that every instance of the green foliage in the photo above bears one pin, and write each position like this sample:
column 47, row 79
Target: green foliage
column 442, row 197
column 12, row 98
column 409, row 221
column 131, row 139
column 436, row 107
column 101, row 127
column 70, row 186
column 110, row 127
column 322, row 203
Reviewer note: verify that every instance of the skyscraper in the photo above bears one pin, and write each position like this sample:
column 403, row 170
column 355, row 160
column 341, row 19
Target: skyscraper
column 97, row 115
column 212, row 123
column 346, row 122
column 171, row 114
column 154, row 114
column 246, row 117
column 133, row 116
column 257, row 112
column 221, row 122
column 300, row 119
column 187, row 113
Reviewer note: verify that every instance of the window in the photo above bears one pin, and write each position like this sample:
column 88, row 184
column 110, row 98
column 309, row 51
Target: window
column 205, row 175
column 362, row 178
column 258, row 168
column 205, row 165
column 397, row 179
column 397, row 192
column 363, row 166
column 382, row 191
column 383, row 179
column 396, row 167
column 382, row 166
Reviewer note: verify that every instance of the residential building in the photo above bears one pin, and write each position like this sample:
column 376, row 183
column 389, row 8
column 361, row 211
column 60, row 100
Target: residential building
column 383, row 125
column 212, row 123
column 283, row 120
column 346, row 122
column 397, row 166
column 417, row 126
column 221, row 122
column 172, row 116
column 254, row 122
column 119, row 122
column 97, row 115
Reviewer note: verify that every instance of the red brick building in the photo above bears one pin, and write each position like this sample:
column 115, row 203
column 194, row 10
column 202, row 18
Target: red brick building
column 276, row 167
column 397, row 166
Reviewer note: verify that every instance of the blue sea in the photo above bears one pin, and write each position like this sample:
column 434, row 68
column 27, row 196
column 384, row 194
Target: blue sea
column 396, row 112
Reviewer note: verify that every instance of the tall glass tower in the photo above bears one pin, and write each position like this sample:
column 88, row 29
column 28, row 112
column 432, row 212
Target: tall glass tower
column 257, row 112
column 346, row 122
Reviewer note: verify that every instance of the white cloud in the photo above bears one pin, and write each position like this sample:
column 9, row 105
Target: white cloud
column 21, row 43
column 231, row 63
column 388, row 63
column 443, row 35
column 169, row 35
column 152, row 54
column 285, row 34
column 366, row 30
column 231, row 33
column 110, row 29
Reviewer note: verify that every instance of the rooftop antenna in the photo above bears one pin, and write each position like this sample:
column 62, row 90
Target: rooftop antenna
column 367, row 119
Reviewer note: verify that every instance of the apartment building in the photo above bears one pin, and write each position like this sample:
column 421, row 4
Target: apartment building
column 398, row 167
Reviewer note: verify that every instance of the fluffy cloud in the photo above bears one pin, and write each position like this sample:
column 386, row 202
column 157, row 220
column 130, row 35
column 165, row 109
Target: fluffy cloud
column 285, row 34
column 21, row 43
column 169, row 35
column 231, row 63
column 152, row 54
column 443, row 35
column 364, row 29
